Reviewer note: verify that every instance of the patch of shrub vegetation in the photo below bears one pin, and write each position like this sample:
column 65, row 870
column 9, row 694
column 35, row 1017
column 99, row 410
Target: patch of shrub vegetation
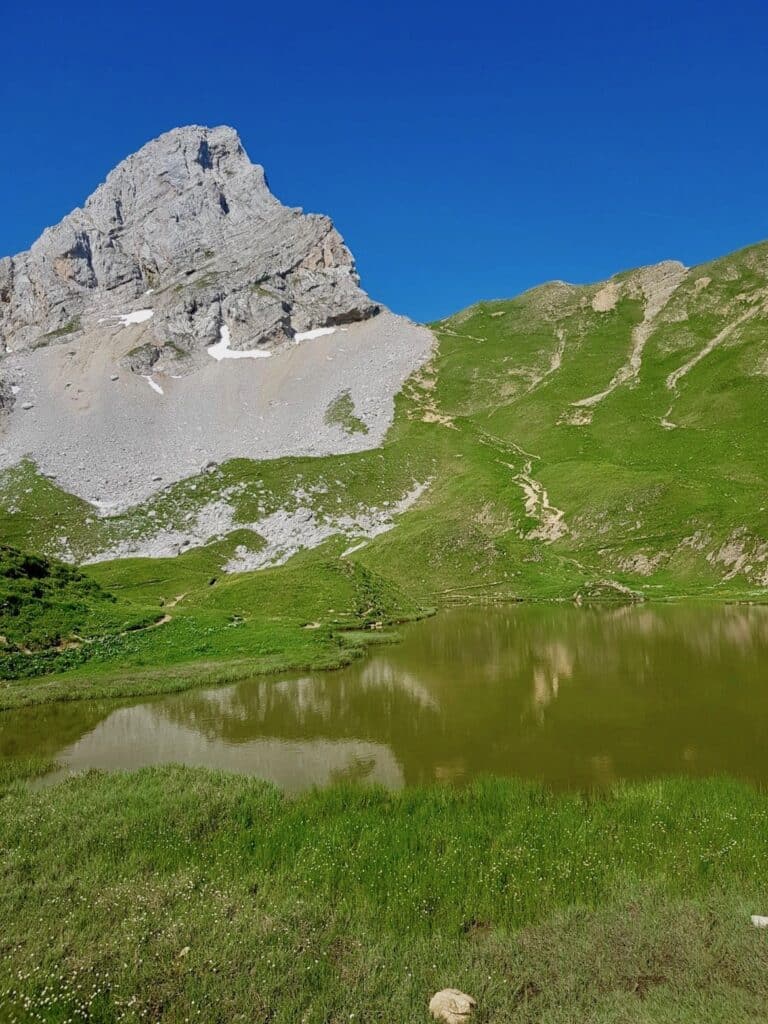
column 51, row 614
column 69, row 328
column 341, row 413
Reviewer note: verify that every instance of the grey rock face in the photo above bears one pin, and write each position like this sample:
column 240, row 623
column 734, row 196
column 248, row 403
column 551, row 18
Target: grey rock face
column 6, row 396
column 186, row 227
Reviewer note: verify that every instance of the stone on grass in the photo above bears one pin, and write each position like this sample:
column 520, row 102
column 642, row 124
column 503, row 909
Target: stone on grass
column 451, row 1006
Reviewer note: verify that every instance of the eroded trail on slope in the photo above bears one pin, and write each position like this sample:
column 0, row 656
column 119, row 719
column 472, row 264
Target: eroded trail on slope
column 538, row 506
column 677, row 375
column 658, row 284
column 551, row 520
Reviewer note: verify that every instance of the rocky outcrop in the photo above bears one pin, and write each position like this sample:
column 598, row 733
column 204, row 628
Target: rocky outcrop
column 188, row 228
column 6, row 396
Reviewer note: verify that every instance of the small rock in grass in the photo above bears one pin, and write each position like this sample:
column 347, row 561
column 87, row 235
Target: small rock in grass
column 451, row 1006
column 115, row 376
column 759, row 921
column 27, row 406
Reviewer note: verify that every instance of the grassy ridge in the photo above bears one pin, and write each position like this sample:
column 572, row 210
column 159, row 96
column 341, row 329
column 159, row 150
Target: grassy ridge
column 189, row 895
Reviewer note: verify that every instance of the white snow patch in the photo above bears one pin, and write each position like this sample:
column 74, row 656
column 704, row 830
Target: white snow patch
column 105, row 508
column 318, row 332
column 153, row 384
column 138, row 316
column 221, row 349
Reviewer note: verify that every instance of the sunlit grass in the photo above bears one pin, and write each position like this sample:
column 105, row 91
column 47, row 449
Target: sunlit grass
column 181, row 895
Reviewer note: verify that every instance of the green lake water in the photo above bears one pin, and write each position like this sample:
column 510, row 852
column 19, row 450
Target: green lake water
column 576, row 698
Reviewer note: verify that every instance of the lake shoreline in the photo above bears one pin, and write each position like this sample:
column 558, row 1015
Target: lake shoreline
column 342, row 648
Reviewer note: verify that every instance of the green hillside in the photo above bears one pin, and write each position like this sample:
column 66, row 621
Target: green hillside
column 573, row 441
column 52, row 615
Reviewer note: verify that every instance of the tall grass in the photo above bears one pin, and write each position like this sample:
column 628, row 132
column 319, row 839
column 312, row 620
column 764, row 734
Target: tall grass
column 180, row 895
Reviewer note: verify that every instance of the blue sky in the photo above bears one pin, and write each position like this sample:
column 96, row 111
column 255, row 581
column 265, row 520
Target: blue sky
column 464, row 152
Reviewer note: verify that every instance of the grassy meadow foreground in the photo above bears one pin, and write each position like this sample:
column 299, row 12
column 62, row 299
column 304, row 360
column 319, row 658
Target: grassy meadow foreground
column 181, row 895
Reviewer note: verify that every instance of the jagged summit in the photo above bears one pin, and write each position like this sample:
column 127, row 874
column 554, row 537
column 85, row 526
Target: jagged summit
column 124, row 330
column 189, row 220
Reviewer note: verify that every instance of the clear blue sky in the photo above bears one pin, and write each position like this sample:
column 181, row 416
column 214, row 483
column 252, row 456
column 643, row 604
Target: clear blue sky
column 464, row 152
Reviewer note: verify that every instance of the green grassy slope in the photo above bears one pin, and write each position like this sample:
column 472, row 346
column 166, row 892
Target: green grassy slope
column 52, row 614
column 181, row 895
column 658, row 486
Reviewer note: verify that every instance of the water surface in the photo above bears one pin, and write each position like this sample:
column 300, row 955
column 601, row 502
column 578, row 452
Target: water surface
column 574, row 697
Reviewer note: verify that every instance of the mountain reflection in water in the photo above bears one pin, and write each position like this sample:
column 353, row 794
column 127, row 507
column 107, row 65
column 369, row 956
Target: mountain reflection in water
column 573, row 697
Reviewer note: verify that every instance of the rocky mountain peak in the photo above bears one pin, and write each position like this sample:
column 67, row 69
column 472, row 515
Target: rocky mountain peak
column 185, row 228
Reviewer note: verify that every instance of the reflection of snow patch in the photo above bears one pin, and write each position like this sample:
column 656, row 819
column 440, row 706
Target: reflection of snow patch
column 318, row 332
column 154, row 385
column 221, row 349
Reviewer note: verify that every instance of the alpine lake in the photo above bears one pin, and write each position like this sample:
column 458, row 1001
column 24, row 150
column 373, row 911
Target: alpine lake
column 577, row 698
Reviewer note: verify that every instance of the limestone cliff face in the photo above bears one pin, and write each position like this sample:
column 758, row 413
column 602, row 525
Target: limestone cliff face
column 188, row 228
column 124, row 330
